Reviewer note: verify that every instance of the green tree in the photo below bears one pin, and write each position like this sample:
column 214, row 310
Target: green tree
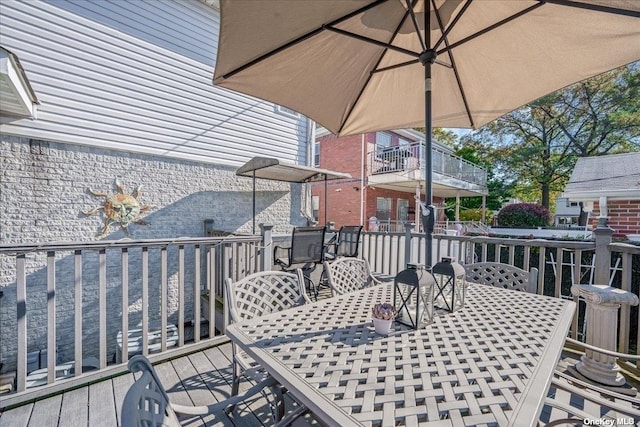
column 472, row 149
column 537, row 146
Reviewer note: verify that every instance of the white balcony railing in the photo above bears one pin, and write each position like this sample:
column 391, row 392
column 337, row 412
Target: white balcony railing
column 409, row 158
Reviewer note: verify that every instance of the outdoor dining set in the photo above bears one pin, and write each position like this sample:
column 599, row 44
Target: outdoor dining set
column 483, row 353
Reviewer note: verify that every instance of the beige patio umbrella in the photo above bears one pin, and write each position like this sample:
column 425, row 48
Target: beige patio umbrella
column 356, row 66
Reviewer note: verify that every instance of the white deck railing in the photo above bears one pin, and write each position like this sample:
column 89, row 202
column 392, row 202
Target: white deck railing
column 72, row 299
column 560, row 264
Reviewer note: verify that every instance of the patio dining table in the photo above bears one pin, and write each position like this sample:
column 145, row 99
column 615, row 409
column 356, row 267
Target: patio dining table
column 489, row 363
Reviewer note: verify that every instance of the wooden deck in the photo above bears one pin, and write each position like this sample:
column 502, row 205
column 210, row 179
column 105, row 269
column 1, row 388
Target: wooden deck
column 200, row 378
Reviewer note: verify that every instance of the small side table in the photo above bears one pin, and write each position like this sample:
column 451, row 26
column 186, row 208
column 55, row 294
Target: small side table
column 603, row 303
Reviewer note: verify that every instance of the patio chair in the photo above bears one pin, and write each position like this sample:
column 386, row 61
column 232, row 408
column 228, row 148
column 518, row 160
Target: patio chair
column 344, row 244
column 502, row 275
column 257, row 295
column 306, row 251
column 147, row 404
column 346, row 275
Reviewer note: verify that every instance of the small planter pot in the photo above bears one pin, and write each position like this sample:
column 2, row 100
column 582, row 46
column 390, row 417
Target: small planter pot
column 382, row 326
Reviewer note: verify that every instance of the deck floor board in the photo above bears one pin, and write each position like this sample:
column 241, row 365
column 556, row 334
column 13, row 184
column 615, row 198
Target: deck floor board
column 75, row 407
column 46, row 412
column 17, row 417
column 200, row 378
column 102, row 405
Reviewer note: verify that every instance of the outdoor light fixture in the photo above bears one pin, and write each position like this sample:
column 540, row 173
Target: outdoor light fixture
column 451, row 284
column 413, row 296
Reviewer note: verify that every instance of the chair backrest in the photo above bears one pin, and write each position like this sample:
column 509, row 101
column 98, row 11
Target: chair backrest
column 262, row 293
column 348, row 275
column 348, row 241
column 146, row 402
column 502, row 275
column 307, row 245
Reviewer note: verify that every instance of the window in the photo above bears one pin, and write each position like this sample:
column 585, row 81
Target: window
column 316, row 154
column 383, row 140
column 383, row 208
column 403, row 210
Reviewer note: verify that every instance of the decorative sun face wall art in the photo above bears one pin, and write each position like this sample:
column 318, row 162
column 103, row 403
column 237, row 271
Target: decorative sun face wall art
column 120, row 208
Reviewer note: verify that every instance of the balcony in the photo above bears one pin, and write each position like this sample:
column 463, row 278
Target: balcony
column 71, row 301
column 403, row 167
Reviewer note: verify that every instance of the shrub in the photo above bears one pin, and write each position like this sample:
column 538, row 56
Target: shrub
column 524, row 215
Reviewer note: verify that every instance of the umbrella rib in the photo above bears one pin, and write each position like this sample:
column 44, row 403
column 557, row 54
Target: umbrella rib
column 372, row 41
column 302, row 38
column 415, row 24
column 364, row 86
column 399, row 65
column 404, row 64
column 453, row 62
column 490, row 28
column 595, row 7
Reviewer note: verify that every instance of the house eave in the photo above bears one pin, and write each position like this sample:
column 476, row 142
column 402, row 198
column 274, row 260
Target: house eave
column 633, row 194
column 17, row 96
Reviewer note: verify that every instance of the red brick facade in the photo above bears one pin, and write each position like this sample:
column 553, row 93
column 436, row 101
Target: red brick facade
column 345, row 197
column 624, row 216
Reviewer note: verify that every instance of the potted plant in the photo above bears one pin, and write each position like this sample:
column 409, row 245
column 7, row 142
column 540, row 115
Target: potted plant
column 383, row 315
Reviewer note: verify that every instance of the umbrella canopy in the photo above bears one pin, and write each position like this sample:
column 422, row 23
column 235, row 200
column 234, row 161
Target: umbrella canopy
column 356, row 66
column 277, row 170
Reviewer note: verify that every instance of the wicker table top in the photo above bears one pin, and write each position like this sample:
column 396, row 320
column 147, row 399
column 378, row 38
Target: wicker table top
column 489, row 363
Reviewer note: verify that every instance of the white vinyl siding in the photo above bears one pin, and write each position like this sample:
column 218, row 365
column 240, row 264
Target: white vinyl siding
column 137, row 76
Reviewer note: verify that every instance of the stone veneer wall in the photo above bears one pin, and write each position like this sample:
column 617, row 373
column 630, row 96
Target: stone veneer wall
column 43, row 188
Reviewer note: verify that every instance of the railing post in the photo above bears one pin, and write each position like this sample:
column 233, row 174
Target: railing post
column 267, row 247
column 408, row 227
column 603, row 303
column 603, row 235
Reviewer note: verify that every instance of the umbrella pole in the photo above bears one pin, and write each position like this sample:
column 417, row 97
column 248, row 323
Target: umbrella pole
column 427, row 58
column 254, row 203
column 428, row 169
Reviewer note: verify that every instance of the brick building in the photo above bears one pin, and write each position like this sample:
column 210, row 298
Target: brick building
column 388, row 172
column 612, row 181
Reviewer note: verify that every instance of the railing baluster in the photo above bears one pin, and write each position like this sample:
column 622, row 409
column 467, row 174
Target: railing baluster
column 526, row 258
column 102, row 303
column 124, row 264
column 21, row 311
column 145, row 300
column 77, row 312
column 212, row 291
column 557, row 287
column 576, row 280
column 51, row 317
column 485, row 248
column 542, row 261
column 496, row 252
column 180, row 295
column 512, row 255
column 625, row 309
column 196, row 294
column 163, row 298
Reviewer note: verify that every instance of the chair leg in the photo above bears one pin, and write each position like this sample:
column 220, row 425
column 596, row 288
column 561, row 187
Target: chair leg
column 235, row 385
column 313, row 289
column 276, row 402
